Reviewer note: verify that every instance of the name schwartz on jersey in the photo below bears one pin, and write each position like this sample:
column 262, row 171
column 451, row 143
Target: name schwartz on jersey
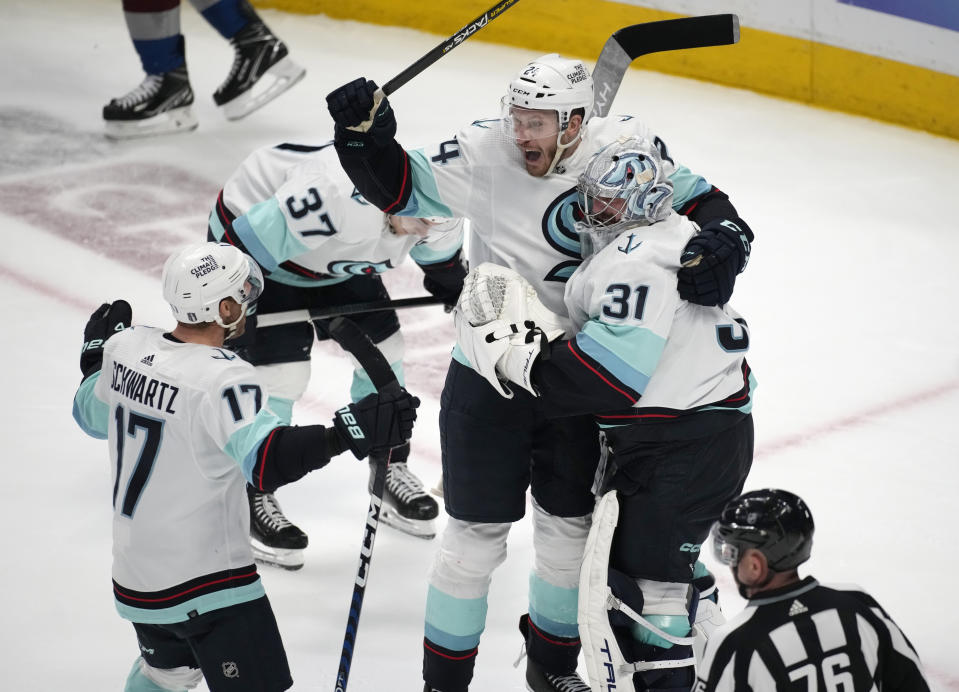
column 143, row 389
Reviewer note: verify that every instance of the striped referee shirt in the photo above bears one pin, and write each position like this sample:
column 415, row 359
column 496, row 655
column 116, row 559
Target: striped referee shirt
column 809, row 637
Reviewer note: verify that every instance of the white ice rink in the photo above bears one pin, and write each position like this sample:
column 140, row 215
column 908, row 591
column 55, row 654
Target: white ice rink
column 851, row 297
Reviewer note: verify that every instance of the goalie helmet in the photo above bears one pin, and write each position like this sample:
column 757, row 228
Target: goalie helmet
column 196, row 278
column 775, row 522
column 624, row 185
column 555, row 83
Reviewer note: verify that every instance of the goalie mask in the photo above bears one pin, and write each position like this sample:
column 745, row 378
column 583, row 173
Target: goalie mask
column 624, row 185
column 198, row 277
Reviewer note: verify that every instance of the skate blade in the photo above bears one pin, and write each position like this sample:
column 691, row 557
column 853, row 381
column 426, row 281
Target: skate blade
column 274, row 82
column 167, row 123
column 418, row 528
column 287, row 558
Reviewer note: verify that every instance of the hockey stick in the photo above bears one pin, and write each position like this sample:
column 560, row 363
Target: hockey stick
column 272, row 319
column 631, row 42
column 446, row 46
column 348, row 335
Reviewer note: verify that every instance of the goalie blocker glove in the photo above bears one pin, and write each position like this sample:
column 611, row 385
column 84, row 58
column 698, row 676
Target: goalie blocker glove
column 107, row 320
column 712, row 259
column 364, row 120
column 377, row 421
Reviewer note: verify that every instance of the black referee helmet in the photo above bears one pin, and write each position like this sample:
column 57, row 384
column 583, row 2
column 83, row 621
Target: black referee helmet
column 775, row 522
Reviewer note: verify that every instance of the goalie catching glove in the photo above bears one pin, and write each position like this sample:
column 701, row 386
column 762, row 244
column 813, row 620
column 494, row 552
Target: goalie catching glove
column 377, row 421
column 502, row 327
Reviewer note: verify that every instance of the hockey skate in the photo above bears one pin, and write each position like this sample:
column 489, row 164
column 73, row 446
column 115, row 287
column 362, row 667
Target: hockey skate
column 274, row 539
column 538, row 680
column 162, row 104
column 406, row 506
column 261, row 71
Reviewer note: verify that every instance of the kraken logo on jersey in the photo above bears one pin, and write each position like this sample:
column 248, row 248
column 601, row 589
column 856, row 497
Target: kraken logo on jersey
column 358, row 268
column 559, row 229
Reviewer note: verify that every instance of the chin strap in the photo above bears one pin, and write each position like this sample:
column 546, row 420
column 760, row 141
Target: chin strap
column 560, row 148
column 231, row 327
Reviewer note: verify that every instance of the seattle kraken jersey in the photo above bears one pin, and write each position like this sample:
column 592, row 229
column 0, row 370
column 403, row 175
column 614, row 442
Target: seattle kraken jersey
column 807, row 637
column 638, row 351
column 295, row 211
column 183, row 422
column 517, row 220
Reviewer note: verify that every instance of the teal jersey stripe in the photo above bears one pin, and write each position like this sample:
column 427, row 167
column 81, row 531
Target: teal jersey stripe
column 424, row 254
column 686, row 186
column 425, row 198
column 245, row 442
column 553, row 608
column 631, row 354
column 91, row 414
column 201, row 604
column 216, row 228
column 747, row 406
column 454, row 623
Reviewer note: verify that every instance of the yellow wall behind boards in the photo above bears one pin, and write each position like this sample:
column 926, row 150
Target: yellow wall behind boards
column 763, row 61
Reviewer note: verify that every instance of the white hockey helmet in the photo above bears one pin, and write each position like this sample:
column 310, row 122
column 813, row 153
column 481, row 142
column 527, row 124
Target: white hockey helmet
column 552, row 82
column 196, row 278
column 624, row 185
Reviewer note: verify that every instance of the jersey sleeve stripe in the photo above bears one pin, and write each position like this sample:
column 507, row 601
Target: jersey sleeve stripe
column 403, row 182
column 630, row 396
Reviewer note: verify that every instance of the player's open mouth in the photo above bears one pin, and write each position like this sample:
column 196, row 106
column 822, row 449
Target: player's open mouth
column 532, row 156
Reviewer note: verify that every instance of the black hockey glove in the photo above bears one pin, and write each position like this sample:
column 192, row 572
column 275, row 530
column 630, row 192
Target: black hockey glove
column 362, row 124
column 445, row 280
column 712, row 259
column 377, row 421
column 107, row 320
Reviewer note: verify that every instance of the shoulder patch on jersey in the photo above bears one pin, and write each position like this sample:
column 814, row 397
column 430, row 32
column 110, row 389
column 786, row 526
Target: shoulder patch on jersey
column 221, row 354
column 485, row 123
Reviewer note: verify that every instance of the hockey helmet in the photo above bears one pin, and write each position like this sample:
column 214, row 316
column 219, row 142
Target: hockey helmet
column 552, row 82
column 196, row 278
column 775, row 522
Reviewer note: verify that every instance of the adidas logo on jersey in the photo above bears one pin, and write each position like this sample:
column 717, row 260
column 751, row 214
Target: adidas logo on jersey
column 797, row 608
column 147, row 360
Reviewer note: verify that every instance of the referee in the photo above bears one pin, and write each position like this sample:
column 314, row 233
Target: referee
column 797, row 634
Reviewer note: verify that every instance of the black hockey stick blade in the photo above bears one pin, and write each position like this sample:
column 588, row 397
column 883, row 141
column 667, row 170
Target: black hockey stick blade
column 631, row 42
column 446, row 46
column 272, row 319
column 349, row 336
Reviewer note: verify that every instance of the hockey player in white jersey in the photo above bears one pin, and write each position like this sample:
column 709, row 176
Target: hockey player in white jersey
column 321, row 244
column 188, row 428
column 515, row 178
column 668, row 383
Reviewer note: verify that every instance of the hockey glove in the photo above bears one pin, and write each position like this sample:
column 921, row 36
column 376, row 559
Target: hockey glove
column 376, row 422
column 107, row 320
column 363, row 118
column 516, row 365
column 712, row 259
column 445, row 280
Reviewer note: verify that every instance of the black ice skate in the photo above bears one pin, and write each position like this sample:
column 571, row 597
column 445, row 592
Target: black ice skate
column 538, row 680
column 162, row 104
column 275, row 540
column 261, row 71
column 406, row 507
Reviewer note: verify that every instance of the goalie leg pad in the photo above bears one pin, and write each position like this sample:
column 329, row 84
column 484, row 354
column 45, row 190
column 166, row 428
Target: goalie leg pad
column 635, row 633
